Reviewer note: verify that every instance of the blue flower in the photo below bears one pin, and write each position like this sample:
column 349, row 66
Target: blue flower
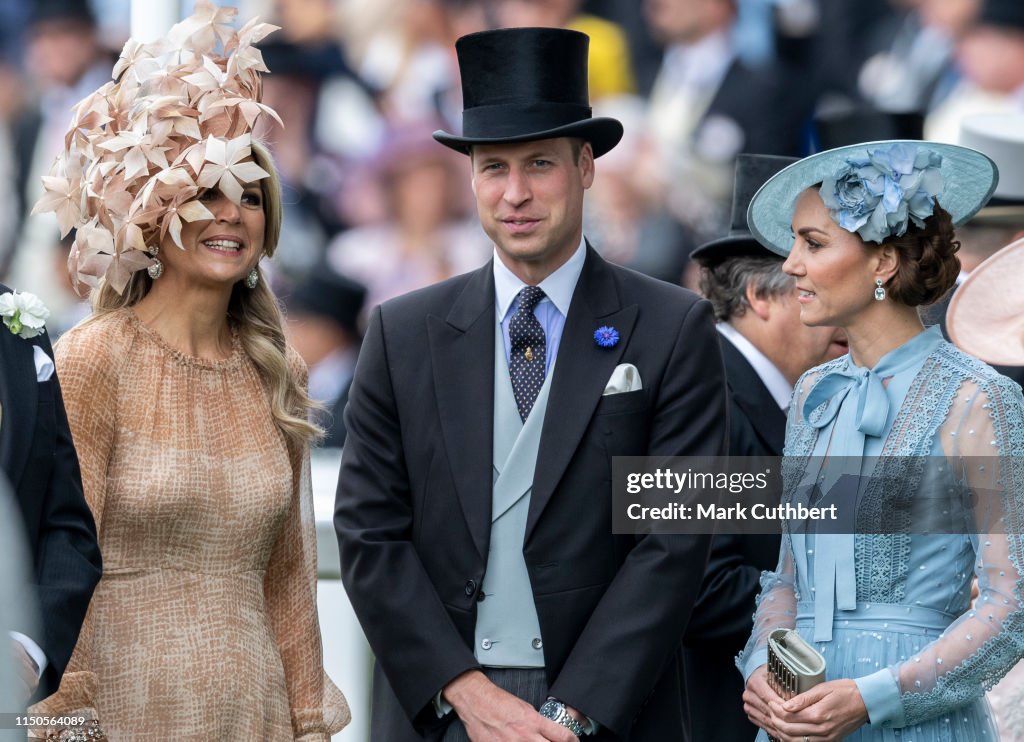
column 879, row 196
column 606, row 337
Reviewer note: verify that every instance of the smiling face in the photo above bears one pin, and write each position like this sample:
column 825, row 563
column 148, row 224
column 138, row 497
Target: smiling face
column 221, row 251
column 530, row 200
column 835, row 271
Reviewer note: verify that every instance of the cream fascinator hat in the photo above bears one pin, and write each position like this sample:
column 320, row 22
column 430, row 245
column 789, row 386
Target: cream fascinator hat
column 176, row 118
column 986, row 314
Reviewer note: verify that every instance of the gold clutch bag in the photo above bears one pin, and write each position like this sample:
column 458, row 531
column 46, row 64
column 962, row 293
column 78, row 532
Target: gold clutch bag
column 794, row 666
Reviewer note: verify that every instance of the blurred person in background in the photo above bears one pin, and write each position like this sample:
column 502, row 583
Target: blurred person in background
column 991, row 57
column 421, row 234
column 917, row 69
column 310, row 82
column 188, row 408
column 323, row 316
column 707, row 106
column 65, row 62
column 627, row 227
column 765, row 348
column 38, row 459
column 412, row 65
column 610, row 68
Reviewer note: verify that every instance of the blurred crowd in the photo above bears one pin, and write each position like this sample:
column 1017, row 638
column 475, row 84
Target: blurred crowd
column 375, row 208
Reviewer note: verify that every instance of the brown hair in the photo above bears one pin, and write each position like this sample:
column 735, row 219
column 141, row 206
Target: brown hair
column 929, row 264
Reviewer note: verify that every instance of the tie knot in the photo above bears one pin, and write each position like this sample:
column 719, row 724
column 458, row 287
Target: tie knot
column 530, row 297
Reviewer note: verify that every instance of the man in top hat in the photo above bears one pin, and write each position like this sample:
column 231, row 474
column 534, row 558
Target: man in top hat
column 38, row 458
column 766, row 348
column 323, row 326
column 474, row 511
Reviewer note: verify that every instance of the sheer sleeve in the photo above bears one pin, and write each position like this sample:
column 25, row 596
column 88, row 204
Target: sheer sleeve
column 87, row 361
column 775, row 609
column 984, row 439
column 776, row 604
column 318, row 708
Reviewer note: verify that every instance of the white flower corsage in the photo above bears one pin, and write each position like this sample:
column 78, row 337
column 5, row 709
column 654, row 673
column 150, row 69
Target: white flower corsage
column 23, row 313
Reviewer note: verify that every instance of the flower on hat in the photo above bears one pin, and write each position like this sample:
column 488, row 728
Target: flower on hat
column 176, row 119
column 606, row 337
column 23, row 313
column 877, row 196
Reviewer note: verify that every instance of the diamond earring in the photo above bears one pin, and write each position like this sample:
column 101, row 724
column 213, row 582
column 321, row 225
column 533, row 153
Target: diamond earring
column 252, row 279
column 879, row 291
column 155, row 269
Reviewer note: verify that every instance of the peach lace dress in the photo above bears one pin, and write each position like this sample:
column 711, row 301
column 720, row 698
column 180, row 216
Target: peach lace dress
column 204, row 626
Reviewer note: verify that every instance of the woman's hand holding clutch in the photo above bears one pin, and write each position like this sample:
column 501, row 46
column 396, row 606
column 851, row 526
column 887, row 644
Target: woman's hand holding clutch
column 829, row 711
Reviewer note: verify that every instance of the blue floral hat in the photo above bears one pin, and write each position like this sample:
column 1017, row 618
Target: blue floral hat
column 875, row 189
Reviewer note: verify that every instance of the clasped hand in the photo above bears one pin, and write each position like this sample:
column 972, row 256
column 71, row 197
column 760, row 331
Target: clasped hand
column 491, row 714
column 828, row 711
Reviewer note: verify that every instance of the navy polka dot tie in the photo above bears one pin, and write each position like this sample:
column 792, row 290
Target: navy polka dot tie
column 528, row 357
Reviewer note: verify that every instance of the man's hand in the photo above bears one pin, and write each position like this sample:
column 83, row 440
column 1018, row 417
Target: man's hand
column 28, row 672
column 493, row 715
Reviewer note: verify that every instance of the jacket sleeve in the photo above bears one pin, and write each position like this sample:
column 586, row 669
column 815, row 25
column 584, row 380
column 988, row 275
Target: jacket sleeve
column 67, row 559
column 415, row 641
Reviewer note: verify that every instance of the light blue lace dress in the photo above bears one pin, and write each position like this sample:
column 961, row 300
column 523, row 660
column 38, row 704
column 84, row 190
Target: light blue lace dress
column 892, row 610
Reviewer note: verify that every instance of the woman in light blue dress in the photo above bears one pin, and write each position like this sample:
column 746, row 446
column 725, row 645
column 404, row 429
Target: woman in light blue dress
column 922, row 427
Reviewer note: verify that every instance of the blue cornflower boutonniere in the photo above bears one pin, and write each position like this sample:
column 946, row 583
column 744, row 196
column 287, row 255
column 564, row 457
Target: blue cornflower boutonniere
column 606, row 337
column 23, row 313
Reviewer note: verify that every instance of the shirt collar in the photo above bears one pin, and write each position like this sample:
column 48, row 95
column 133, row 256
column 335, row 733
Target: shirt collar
column 768, row 372
column 558, row 287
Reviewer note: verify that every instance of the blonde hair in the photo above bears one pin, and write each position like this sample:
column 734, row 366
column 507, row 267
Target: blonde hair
column 256, row 316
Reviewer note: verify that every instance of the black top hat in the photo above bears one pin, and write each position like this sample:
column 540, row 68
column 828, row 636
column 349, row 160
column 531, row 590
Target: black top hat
column 1007, row 13
column 752, row 171
column 848, row 127
column 329, row 294
column 62, row 10
column 524, row 84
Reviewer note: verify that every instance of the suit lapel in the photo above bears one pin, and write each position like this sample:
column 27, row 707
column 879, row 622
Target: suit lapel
column 19, row 397
column 582, row 370
column 462, row 355
column 753, row 397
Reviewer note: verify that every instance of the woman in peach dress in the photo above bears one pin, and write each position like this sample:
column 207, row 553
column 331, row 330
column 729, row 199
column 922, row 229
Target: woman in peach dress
column 188, row 410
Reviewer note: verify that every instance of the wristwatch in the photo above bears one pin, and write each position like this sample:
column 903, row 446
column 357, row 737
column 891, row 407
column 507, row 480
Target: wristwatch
column 555, row 710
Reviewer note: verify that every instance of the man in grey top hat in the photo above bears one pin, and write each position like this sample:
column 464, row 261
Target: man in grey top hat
column 474, row 510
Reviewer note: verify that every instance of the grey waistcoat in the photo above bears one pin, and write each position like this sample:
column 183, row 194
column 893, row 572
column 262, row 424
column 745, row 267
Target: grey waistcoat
column 507, row 629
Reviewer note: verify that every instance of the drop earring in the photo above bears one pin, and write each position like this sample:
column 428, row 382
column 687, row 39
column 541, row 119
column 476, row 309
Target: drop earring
column 155, row 269
column 252, row 279
column 879, row 291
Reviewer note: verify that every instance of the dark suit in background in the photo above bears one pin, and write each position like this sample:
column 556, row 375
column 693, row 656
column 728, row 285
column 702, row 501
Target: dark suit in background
column 38, row 457
column 723, row 617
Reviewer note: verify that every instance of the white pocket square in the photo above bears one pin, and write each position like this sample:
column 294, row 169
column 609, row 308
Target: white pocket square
column 44, row 364
column 625, row 378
